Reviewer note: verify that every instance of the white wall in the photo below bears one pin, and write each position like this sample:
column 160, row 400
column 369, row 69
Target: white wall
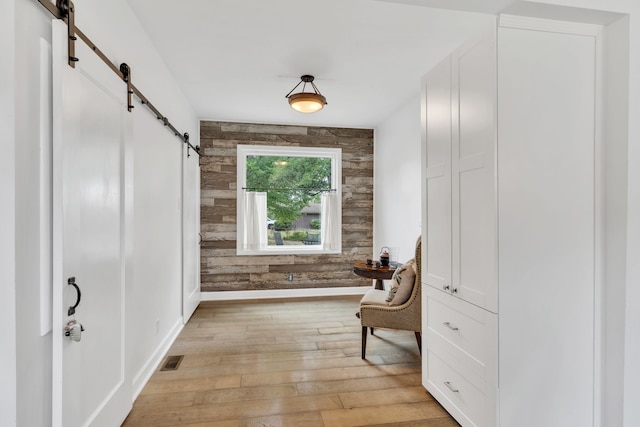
column 156, row 300
column 7, row 220
column 631, row 345
column 632, row 323
column 616, row 118
column 154, row 297
column 396, row 204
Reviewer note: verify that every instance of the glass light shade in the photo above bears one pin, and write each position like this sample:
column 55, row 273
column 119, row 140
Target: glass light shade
column 307, row 102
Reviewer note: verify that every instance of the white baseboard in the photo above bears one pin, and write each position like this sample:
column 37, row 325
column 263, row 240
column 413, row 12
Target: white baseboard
column 282, row 293
column 142, row 377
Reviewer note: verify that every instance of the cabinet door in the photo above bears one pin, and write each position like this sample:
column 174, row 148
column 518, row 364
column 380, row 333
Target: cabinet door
column 474, row 228
column 437, row 216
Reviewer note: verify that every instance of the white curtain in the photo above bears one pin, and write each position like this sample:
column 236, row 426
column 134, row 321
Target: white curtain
column 255, row 220
column 331, row 221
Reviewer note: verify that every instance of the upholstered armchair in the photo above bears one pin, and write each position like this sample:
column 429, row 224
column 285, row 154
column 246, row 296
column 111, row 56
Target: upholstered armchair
column 375, row 311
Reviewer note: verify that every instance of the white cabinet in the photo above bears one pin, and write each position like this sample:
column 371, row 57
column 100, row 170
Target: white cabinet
column 512, row 254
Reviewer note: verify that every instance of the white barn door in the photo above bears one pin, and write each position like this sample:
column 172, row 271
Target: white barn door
column 91, row 125
column 190, row 235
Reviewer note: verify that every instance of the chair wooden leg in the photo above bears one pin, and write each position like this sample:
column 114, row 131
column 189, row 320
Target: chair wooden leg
column 371, row 331
column 419, row 339
column 364, row 341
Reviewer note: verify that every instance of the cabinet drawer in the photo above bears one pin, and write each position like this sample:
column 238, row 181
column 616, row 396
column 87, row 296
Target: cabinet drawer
column 462, row 329
column 470, row 400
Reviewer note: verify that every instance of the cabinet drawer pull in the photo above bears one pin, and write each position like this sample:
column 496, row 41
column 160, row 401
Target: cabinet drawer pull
column 450, row 326
column 446, row 287
column 450, row 387
column 454, row 290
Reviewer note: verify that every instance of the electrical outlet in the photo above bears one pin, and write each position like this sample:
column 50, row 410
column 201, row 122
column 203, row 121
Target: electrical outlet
column 290, row 277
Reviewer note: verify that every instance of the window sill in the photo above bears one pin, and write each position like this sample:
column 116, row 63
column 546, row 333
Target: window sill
column 289, row 250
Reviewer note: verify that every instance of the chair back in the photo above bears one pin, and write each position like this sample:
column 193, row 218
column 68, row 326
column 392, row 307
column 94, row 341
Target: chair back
column 415, row 299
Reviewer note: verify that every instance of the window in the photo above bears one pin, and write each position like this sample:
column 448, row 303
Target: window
column 289, row 200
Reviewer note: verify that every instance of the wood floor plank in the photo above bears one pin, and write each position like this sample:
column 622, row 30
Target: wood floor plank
column 279, row 326
column 228, row 411
column 360, row 384
column 197, row 360
column 445, row 421
column 162, row 384
column 329, row 374
column 340, row 330
column 271, row 367
column 167, row 399
column 306, row 419
column 225, row 423
column 225, row 349
column 288, row 363
column 318, row 338
column 369, row 415
column 305, row 356
column 245, row 393
column 357, row 399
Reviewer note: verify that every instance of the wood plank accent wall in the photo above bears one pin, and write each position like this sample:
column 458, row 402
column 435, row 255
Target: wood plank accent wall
column 222, row 269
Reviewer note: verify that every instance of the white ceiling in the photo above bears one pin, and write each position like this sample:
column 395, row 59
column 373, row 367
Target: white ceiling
column 237, row 59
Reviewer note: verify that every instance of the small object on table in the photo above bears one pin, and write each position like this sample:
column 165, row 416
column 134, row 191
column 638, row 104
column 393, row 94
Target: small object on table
column 384, row 256
column 369, row 261
column 378, row 273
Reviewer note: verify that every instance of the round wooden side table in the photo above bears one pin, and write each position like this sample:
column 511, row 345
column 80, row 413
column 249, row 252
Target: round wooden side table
column 362, row 269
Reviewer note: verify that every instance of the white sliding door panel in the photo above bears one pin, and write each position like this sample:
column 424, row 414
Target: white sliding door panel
column 546, row 98
column 190, row 235
column 90, row 130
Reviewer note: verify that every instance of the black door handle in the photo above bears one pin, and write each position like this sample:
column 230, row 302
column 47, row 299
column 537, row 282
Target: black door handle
column 72, row 281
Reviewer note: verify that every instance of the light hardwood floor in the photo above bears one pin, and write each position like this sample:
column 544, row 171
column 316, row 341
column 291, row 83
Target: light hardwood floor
column 293, row 362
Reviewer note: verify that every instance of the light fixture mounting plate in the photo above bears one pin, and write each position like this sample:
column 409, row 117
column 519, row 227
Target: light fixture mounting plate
column 307, row 78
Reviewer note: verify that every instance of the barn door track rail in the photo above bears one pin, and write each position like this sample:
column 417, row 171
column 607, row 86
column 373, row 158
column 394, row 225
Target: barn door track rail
column 65, row 11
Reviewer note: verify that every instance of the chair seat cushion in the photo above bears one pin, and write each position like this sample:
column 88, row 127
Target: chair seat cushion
column 375, row 297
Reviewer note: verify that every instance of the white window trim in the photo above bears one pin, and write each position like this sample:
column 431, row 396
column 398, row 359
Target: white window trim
column 336, row 183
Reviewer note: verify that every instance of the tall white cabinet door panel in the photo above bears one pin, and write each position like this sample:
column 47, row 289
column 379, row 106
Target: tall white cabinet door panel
column 546, row 98
column 437, row 252
column 474, row 268
column 91, row 128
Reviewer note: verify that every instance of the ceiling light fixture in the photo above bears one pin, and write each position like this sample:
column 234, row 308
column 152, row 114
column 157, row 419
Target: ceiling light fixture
column 306, row 102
